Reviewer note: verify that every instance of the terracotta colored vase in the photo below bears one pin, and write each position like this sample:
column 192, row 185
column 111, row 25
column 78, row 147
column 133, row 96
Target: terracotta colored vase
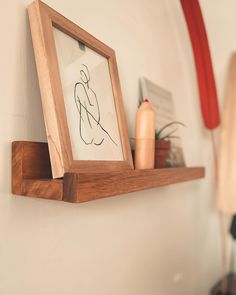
column 162, row 148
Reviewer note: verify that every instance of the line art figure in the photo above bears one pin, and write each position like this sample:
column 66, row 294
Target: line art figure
column 90, row 128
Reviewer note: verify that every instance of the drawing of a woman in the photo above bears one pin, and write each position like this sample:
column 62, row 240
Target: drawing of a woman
column 90, row 128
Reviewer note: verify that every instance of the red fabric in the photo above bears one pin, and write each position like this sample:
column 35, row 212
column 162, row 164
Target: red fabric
column 206, row 81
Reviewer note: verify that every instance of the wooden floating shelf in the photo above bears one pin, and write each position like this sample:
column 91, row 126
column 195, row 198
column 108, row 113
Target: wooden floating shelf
column 31, row 176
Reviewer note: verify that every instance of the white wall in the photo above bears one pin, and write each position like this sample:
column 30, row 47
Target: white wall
column 162, row 241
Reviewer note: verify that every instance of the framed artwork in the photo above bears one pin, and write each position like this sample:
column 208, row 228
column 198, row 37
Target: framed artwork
column 166, row 123
column 81, row 96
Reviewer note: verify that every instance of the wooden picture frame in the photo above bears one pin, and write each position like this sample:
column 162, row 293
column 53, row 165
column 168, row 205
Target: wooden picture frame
column 47, row 27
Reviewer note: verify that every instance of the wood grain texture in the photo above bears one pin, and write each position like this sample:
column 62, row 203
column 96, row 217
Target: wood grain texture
column 17, row 167
column 86, row 187
column 38, row 24
column 51, row 189
column 42, row 20
column 36, row 161
column 31, row 171
column 70, row 187
column 31, row 177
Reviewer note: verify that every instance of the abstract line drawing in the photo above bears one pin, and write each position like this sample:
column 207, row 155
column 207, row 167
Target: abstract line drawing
column 90, row 128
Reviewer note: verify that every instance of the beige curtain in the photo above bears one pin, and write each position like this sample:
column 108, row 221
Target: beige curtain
column 227, row 156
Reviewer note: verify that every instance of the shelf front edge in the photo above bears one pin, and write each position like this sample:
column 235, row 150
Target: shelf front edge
column 86, row 187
